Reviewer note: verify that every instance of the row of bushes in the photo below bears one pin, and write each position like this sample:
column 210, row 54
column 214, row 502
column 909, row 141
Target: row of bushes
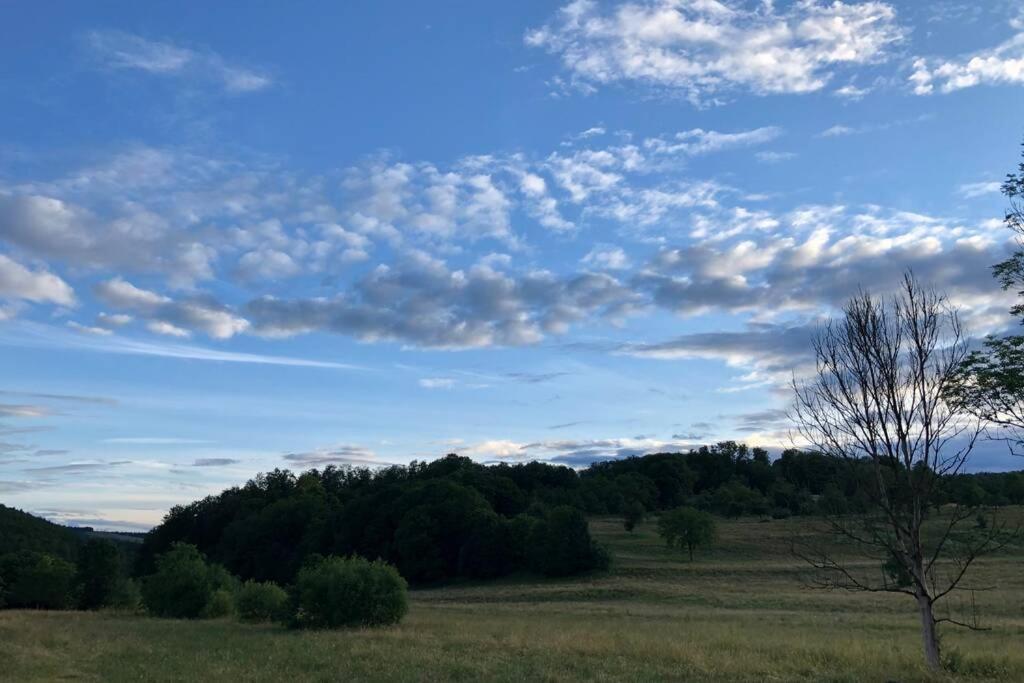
column 39, row 580
column 329, row 592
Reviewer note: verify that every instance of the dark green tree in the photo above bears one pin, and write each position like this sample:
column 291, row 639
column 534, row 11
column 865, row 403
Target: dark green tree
column 633, row 514
column 687, row 527
column 99, row 573
column 37, row 580
column 184, row 584
column 560, row 544
column 990, row 383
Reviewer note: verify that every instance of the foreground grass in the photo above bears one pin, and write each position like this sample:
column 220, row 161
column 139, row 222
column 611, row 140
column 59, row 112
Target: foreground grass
column 739, row 613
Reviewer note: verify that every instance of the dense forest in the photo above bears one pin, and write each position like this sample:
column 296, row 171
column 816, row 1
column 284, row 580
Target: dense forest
column 454, row 518
column 447, row 519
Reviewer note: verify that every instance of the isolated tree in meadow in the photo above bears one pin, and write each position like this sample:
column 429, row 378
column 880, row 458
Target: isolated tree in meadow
column 632, row 515
column 687, row 527
column 878, row 400
column 990, row 382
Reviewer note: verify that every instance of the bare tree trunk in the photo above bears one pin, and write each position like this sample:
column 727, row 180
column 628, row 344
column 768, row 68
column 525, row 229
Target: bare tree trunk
column 928, row 631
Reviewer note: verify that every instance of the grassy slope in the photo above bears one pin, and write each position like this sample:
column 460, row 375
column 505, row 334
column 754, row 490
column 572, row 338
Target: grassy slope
column 739, row 613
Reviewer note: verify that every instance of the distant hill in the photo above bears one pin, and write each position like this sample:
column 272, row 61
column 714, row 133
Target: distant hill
column 22, row 531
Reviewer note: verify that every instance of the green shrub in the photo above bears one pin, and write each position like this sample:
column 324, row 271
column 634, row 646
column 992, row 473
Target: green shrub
column 258, row 601
column 126, row 596
column 221, row 604
column 184, row 585
column 350, row 591
column 37, row 580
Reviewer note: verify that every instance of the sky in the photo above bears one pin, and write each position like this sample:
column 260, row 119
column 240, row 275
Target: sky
column 239, row 236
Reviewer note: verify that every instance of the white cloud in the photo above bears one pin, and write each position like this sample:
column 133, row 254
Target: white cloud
column 851, row 92
column 836, row 131
column 86, row 329
column 394, row 200
column 706, row 48
column 41, row 286
column 267, row 264
column 607, row 257
column 437, row 383
column 772, row 157
column 123, row 294
column 1000, row 65
column 979, row 189
column 165, row 328
column 112, row 320
column 424, row 302
column 31, row 334
column 173, row 318
column 120, row 50
column 699, row 141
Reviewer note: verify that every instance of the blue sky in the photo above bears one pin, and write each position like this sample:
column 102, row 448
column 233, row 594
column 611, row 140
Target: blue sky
column 236, row 237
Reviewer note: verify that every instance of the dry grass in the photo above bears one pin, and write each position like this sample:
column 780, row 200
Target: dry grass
column 739, row 613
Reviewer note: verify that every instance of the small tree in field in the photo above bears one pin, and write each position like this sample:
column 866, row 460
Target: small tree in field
column 687, row 527
column 632, row 515
column 878, row 400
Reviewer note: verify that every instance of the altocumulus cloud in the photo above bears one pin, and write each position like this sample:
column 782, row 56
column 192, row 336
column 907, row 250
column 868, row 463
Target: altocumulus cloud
column 706, row 48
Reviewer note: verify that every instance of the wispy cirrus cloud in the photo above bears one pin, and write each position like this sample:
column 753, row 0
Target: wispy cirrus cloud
column 121, row 50
column 155, row 440
column 24, row 410
column 34, row 334
column 979, row 189
column 73, row 398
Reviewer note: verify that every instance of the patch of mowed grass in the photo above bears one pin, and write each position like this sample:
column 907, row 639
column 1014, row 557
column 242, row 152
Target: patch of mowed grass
column 738, row 613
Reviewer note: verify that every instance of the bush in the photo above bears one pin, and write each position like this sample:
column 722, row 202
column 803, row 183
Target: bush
column 184, row 585
column 221, row 604
column 351, row 591
column 126, row 596
column 37, row 580
column 261, row 602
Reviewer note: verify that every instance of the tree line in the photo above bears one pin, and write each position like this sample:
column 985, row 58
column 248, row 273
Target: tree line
column 454, row 518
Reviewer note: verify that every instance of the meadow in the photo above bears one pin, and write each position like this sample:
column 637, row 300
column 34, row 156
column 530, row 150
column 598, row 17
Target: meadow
column 741, row 612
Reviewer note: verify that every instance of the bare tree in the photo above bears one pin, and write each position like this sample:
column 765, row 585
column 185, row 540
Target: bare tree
column 878, row 400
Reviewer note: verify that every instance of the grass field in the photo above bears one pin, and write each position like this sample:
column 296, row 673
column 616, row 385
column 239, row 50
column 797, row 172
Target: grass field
column 739, row 613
